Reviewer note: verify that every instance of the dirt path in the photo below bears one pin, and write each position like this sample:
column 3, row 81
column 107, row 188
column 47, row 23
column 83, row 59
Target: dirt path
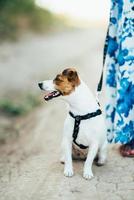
column 32, row 170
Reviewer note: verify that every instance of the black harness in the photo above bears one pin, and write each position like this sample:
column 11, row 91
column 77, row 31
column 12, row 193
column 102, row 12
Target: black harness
column 78, row 119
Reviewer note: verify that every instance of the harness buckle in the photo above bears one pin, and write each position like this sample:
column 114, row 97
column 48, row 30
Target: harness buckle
column 78, row 118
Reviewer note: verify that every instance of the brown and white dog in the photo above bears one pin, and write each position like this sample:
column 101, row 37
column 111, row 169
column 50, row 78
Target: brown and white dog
column 92, row 132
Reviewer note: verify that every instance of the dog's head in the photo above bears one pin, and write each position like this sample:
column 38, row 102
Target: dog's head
column 63, row 84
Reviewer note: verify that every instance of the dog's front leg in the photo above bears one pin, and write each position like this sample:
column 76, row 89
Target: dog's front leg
column 88, row 174
column 67, row 148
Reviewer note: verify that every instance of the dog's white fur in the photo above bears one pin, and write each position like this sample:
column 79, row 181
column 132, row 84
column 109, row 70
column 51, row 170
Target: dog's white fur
column 92, row 132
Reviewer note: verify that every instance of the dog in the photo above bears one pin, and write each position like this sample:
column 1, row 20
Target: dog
column 84, row 125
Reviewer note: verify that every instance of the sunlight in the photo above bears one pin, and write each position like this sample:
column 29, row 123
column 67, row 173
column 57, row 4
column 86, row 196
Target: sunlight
column 92, row 10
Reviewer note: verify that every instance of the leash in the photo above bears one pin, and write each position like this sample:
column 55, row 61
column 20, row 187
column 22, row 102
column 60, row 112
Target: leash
column 99, row 87
column 77, row 122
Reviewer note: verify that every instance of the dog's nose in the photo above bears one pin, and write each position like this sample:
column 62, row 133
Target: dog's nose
column 40, row 85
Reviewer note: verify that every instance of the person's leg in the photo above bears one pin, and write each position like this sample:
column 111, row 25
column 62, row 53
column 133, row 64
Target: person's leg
column 120, row 77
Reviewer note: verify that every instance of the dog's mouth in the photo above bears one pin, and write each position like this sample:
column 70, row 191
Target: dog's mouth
column 52, row 94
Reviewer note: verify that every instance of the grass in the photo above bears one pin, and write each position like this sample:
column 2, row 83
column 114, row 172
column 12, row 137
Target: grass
column 11, row 109
column 17, row 16
column 22, row 107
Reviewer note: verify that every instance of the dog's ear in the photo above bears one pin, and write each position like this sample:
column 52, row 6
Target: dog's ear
column 71, row 74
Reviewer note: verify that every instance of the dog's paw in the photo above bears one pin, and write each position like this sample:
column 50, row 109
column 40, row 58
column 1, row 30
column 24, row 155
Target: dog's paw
column 88, row 175
column 100, row 162
column 68, row 172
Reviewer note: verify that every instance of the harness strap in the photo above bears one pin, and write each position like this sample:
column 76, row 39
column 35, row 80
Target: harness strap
column 78, row 119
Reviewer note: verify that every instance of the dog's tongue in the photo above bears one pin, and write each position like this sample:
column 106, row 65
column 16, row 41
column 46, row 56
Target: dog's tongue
column 49, row 94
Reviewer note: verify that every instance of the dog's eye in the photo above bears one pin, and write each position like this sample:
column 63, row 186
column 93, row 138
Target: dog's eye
column 58, row 78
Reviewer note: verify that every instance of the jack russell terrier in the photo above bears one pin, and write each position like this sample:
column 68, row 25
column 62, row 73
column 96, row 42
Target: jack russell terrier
column 84, row 125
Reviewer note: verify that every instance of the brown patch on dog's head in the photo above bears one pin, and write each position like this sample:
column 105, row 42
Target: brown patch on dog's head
column 67, row 81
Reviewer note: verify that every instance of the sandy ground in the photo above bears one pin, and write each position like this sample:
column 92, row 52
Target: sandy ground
column 31, row 169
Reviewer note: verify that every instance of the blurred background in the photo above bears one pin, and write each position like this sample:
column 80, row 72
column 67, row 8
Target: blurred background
column 38, row 39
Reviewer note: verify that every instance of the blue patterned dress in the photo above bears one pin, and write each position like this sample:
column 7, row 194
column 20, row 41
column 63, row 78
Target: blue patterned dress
column 119, row 61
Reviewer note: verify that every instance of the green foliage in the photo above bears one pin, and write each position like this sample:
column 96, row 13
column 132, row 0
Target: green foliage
column 25, row 105
column 16, row 15
column 17, row 6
